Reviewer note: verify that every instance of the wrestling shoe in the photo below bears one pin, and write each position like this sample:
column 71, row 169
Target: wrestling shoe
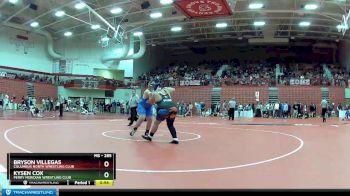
column 147, row 137
column 174, row 142
column 132, row 132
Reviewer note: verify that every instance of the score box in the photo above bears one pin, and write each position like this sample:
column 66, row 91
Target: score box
column 81, row 169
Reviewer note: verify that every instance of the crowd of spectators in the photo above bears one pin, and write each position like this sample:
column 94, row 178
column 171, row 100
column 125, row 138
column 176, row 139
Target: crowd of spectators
column 59, row 80
column 259, row 74
column 29, row 77
column 211, row 72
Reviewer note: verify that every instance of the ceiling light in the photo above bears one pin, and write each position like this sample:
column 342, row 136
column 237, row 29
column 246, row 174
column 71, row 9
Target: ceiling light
column 34, row 24
column 105, row 39
column 311, row 6
column 156, row 15
column 68, row 34
column 94, row 27
column 60, row 13
column 304, row 24
column 176, row 29
column 342, row 27
column 259, row 23
column 221, row 25
column 80, row 5
column 13, row 1
column 138, row 33
column 116, row 10
column 256, row 6
column 166, row 2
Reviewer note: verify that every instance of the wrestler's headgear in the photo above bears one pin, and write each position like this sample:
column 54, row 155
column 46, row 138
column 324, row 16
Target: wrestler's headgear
column 156, row 84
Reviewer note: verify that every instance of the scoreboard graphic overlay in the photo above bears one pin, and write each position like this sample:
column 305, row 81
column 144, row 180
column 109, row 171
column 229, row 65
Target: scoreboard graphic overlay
column 79, row 169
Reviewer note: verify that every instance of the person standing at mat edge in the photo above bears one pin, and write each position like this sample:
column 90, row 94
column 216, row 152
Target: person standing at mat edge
column 324, row 105
column 61, row 102
column 231, row 110
column 133, row 106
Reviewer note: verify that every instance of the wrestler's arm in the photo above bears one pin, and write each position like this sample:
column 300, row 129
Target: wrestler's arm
column 154, row 97
column 146, row 94
column 170, row 90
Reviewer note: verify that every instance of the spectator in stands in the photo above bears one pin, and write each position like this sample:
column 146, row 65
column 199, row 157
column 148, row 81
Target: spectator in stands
column 13, row 100
column 268, row 109
column 224, row 109
column 26, row 101
column 181, row 108
column 313, row 110
column 51, row 104
column 240, row 110
column 1, row 100
column 330, row 110
column 305, row 111
column 34, row 101
column 285, row 110
column 217, row 108
column 190, row 108
column 203, row 107
column 213, row 106
column 276, row 109
column 289, row 113
column 300, row 110
column 339, row 108
column 199, row 108
column 5, row 102
column 122, row 106
column 260, row 110
column 43, row 103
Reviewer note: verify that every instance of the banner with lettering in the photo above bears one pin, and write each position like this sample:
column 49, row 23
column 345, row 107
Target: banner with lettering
column 190, row 83
column 11, row 75
column 302, row 82
column 204, row 8
column 3, row 74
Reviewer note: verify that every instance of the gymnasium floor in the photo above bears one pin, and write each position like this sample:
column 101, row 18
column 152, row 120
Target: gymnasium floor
column 213, row 153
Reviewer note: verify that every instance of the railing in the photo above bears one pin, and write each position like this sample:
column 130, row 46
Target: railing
column 93, row 84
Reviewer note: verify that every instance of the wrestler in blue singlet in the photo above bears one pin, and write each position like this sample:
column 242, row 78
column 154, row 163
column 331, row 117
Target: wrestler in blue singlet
column 144, row 108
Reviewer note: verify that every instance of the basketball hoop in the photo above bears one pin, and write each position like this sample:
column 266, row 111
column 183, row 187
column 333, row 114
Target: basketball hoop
column 104, row 41
column 344, row 26
column 112, row 37
column 118, row 36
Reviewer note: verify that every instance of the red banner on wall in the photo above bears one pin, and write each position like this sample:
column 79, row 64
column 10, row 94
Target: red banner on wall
column 349, row 83
column 204, row 8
